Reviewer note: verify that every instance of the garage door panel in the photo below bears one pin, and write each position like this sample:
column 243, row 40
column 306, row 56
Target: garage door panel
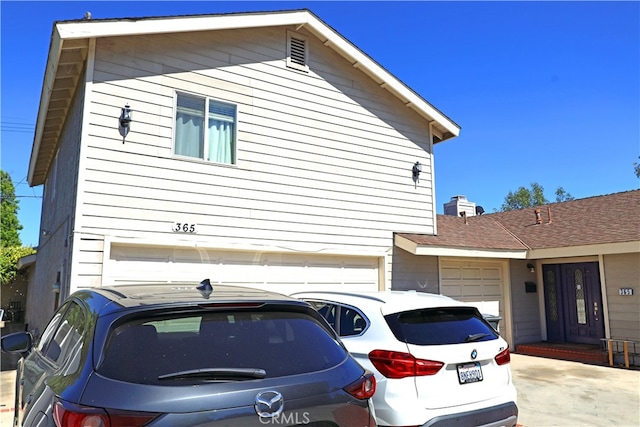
column 480, row 283
column 286, row 273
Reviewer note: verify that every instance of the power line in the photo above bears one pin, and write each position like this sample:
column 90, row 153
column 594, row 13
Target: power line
column 17, row 126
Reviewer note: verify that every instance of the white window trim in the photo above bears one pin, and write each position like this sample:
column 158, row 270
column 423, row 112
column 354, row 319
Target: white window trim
column 207, row 100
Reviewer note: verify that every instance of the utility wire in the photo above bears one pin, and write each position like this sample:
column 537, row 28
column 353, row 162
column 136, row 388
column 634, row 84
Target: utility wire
column 16, row 126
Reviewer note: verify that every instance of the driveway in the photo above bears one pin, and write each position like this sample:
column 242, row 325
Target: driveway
column 572, row 394
column 550, row 393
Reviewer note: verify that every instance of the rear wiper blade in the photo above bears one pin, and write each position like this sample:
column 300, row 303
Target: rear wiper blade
column 217, row 374
column 476, row 337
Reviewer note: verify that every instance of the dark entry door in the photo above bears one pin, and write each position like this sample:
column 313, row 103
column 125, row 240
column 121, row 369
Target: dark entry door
column 573, row 303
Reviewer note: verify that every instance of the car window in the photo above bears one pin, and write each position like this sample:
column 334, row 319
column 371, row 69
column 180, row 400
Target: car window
column 280, row 343
column 327, row 310
column 352, row 322
column 439, row 326
column 67, row 340
column 49, row 330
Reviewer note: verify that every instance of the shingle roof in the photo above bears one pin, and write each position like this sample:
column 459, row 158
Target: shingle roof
column 479, row 232
column 612, row 218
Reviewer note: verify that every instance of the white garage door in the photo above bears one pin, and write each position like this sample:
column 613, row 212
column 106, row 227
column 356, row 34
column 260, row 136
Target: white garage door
column 281, row 272
column 479, row 282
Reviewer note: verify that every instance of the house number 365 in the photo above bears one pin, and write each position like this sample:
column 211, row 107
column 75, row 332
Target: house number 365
column 183, row 227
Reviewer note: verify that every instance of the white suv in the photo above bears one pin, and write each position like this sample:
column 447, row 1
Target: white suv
column 436, row 360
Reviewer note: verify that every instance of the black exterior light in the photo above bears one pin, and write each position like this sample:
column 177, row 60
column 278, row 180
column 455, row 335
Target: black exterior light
column 417, row 168
column 125, row 121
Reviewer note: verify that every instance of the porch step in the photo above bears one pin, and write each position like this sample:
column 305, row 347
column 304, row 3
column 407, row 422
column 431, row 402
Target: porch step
column 583, row 353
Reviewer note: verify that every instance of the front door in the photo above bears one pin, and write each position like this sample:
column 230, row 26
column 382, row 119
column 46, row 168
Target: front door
column 573, row 303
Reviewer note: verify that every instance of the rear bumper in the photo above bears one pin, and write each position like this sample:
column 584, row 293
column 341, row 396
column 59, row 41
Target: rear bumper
column 505, row 415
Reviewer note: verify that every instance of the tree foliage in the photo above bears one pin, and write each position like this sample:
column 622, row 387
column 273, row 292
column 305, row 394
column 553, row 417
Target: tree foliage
column 636, row 168
column 11, row 249
column 533, row 196
column 9, row 224
column 9, row 257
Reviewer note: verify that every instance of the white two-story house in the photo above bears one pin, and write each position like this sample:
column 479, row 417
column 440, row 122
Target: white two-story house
column 264, row 149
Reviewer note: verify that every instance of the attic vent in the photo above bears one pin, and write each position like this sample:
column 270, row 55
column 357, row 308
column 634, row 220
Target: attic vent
column 297, row 53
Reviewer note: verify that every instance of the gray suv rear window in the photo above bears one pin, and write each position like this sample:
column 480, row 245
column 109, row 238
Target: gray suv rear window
column 440, row 326
column 277, row 343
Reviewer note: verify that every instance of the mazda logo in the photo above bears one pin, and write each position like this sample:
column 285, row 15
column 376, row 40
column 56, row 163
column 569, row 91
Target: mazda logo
column 474, row 354
column 269, row 404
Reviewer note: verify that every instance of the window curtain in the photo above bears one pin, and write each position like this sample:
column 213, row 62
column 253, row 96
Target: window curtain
column 220, row 141
column 190, row 127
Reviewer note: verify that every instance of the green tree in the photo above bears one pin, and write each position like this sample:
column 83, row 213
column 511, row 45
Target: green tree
column 636, row 168
column 9, row 257
column 11, row 249
column 563, row 196
column 533, row 196
column 9, row 224
column 524, row 198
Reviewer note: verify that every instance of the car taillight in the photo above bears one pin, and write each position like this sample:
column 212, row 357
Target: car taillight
column 395, row 364
column 364, row 388
column 503, row 357
column 70, row 415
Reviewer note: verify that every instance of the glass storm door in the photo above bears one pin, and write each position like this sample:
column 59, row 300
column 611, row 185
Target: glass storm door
column 573, row 303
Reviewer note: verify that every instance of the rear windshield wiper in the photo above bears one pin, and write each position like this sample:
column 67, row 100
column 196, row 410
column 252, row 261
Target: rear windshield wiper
column 476, row 337
column 229, row 374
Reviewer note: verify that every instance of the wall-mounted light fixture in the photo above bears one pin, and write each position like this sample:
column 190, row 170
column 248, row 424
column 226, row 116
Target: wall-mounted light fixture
column 125, row 121
column 531, row 267
column 417, row 168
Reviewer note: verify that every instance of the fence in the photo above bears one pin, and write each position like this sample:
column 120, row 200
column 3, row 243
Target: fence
column 620, row 350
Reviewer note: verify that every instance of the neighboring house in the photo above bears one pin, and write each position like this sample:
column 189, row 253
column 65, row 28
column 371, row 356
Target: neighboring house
column 266, row 150
column 562, row 272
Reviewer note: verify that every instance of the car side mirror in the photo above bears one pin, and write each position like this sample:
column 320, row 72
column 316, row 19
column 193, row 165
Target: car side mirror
column 18, row 342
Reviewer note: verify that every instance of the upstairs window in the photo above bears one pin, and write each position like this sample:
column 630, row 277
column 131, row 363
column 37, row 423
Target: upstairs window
column 205, row 129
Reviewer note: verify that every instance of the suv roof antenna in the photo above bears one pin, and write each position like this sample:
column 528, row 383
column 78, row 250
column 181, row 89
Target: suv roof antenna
column 205, row 288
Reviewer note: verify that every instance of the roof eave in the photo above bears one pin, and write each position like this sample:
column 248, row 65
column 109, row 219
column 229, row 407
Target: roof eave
column 451, row 251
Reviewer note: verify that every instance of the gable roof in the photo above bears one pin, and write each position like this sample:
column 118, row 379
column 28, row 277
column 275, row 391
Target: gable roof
column 71, row 41
column 591, row 226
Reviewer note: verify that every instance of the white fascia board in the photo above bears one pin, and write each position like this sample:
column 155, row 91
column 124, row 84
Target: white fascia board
column 587, row 250
column 470, row 253
column 133, row 27
column 49, row 79
column 443, row 251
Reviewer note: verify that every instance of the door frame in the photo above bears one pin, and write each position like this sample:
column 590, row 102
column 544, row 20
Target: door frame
column 560, row 301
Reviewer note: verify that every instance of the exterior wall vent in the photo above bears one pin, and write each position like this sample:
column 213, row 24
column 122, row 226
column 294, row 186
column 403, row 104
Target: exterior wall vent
column 459, row 205
column 297, row 51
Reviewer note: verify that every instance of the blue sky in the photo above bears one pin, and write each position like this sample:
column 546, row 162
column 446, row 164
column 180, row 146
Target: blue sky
column 545, row 92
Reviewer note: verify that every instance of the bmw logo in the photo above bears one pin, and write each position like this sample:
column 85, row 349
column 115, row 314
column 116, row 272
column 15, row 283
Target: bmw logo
column 474, row 354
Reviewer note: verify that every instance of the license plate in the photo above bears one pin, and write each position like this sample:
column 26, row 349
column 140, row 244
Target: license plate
column 469, row 373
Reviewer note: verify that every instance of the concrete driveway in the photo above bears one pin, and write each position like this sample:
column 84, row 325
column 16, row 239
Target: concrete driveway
column 550, row 393
column 571, row 394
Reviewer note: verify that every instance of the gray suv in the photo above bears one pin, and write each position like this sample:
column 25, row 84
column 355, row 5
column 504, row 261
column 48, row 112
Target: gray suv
column 187, row 355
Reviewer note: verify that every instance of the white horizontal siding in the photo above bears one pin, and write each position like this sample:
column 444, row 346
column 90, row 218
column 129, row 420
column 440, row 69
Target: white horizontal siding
column 324, row 158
